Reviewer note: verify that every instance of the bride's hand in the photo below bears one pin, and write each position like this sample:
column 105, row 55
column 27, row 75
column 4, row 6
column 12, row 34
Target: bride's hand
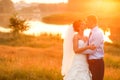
column 92, row 47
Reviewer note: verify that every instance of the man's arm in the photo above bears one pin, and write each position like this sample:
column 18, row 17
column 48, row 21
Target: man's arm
column 89, row 51
column 96, row 40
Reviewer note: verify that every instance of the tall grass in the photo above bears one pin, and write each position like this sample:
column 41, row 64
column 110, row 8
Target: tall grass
column 44, row 40
column 112, row 61
column 42, row 74
column 30, row 57
column 40, row 58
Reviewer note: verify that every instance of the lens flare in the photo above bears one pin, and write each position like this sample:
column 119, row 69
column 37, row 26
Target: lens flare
column 106, row 34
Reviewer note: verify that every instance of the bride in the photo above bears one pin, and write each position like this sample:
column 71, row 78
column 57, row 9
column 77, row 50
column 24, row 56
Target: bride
column 74, row 63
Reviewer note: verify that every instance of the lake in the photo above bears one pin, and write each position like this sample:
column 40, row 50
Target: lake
column 37, row 27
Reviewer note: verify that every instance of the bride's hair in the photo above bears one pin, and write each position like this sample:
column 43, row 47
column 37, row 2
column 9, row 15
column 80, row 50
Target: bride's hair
column 76, row 25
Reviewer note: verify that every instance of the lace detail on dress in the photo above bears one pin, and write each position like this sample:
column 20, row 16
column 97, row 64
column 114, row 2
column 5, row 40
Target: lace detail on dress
column 79, row 69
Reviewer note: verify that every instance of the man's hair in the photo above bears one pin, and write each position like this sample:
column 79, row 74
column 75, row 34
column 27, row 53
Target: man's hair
column 92, row 18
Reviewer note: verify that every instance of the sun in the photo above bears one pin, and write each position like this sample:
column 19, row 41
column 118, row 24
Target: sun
column 106, row 5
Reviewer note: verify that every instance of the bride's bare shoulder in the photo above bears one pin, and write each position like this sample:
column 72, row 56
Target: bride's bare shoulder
column 75, row 36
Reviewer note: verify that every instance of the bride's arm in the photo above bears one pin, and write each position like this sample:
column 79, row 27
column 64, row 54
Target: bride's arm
column 82, row 49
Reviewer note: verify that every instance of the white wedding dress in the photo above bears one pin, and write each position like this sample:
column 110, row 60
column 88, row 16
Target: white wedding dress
column 74, row 66
column 79, row 69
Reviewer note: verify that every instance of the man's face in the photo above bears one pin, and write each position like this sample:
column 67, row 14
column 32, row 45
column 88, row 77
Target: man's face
column 88, row 23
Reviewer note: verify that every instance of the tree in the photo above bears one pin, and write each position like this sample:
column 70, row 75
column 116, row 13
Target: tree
column 18, row 25
column 6, row 6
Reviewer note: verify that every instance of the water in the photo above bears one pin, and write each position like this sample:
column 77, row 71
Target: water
column 37, row 27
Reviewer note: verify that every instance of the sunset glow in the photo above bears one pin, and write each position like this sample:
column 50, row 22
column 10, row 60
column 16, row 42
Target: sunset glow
column 87, row 32
column 105, row 6
column 40, row 27
column 37, row 28
column 42, row 1
column 108, row 6
column 2, row 29
column 106, row 34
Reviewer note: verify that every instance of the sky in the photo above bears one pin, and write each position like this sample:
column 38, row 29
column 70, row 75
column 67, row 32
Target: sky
column 42, row 1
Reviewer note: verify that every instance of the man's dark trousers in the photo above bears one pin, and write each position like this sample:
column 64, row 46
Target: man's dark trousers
column 96, row 67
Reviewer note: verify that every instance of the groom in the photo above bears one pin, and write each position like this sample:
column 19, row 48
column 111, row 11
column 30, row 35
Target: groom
column 95, row 58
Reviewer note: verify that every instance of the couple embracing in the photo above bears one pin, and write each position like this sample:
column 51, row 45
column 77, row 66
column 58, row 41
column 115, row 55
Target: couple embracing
column 82, row 56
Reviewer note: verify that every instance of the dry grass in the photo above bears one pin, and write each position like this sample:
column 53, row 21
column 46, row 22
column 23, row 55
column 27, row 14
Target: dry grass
column 26, row 57
column 112, row 67
column 42, row 62
column 25, row 60
column 36, row 62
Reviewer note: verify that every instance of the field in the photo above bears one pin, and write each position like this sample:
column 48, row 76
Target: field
column 30, row 58
column 39, row 58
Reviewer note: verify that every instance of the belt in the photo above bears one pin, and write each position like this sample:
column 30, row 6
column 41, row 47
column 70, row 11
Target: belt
column 95, row 60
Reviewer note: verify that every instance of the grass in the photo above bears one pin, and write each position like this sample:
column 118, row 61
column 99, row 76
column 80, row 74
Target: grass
column 22, row 61
column 42, row 74
column 41, row 41
column 28, row 61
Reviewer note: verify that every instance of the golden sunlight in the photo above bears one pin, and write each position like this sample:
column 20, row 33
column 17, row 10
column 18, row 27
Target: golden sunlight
column 42, row 1
column 106, row 34
column 87, row 32
column 106, row 6
column 2, row 29
column 109, row 6
column 37, row 27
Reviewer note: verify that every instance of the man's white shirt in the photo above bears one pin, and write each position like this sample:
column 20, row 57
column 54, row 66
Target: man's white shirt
column 97, row 39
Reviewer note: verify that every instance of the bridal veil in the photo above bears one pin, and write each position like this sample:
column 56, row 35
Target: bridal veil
column 67, row 50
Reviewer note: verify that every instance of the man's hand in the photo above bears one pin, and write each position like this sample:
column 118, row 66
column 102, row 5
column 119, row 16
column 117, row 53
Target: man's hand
column 92, row 47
